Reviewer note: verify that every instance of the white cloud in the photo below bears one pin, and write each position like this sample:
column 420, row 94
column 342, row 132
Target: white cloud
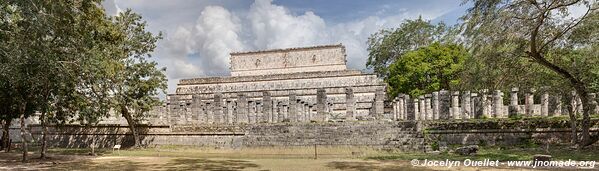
column 111, row 7
column 201, row 48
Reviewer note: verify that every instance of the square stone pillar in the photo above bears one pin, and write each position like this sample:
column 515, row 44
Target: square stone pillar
column 260, row 117
column 210, row 112
column 427, row 107
column 401, row 110
column 229, row 111
column 476, row 106
column 416, row 109
column 444, row 104
column 195, row 108
column 409, row 108
column 529, row 102
column 350, row 104
column 455, row 105
column 395, row 109
column 435, row 105
column 218, row 108
column 545, row 104
column 555, row 105
column 293, row 107
column 266, row 107
column 466, row 108
column 321, row 104
column 251, row 112
column 486, row 104
column 242, row 108
column 276, row 110
column 514, row 108
column 422, row 108
column 284, row 113
column 379, row 105
column 498, row 104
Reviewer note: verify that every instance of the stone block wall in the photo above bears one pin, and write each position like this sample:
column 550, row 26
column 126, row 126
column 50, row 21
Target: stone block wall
column 284, row 61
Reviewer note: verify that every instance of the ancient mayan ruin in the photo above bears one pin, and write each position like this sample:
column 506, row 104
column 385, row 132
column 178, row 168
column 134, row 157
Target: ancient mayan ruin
column 282, row 85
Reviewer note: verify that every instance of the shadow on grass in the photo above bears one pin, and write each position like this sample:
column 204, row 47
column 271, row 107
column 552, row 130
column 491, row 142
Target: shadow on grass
column 109, row 165
column 367, row 166
column 206, row 164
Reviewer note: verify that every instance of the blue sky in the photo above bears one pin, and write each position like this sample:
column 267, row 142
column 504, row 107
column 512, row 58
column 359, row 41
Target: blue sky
column 199, row 35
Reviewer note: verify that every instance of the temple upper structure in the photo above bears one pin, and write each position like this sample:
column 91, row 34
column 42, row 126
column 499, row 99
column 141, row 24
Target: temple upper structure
column 283, row 85
column 285, row 61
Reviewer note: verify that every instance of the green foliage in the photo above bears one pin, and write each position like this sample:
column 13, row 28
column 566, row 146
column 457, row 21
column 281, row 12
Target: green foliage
column 389, row 45
column 427, row 69
column 435, row 145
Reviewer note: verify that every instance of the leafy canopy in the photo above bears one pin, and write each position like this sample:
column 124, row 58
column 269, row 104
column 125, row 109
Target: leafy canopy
column 427, row 69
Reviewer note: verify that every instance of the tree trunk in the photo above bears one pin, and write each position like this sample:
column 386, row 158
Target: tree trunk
column 23, row 138
column 6, row 135
column 586, row 118
column 572, row 115
column 125, row 112
column 44, row 136
column 578, row 85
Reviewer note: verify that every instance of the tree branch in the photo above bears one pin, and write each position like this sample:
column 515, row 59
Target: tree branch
column 567, row 29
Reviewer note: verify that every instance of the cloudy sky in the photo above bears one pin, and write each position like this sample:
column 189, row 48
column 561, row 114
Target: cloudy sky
column 200, row 34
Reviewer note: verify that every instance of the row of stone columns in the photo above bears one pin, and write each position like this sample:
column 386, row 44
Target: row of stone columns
column 446, row 105
column 239, row 108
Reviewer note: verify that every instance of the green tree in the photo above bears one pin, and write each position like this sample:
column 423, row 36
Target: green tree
column 427, row 69
column 389, row 45
column 135, row 80
column 537, row 34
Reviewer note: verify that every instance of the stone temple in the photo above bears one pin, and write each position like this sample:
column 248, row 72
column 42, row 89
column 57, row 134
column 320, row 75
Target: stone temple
column 304, row 84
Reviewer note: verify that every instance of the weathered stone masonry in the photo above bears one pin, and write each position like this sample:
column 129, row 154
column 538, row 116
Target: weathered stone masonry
column 284, row 85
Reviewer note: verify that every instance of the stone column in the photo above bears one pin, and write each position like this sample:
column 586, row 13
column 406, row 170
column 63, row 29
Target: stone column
column 408, row 108
column 455, row 105
column 306, row 112
column 230, row 111
column 251, row 112
column 428, row 108
column 260, row 117
column 379, row 97
column 276, row 110
column 210, row 113
column 530, row 103
column 293, row 107
column 422, row 107
column 242, row 108
column 513, row 109
column 301, row 111
column 284, row 113
column 476, row 106
column 400, row 107
column 444, row 104
column 395, row 108
column 498, row 104
column 486, row 104
column 311, row 112
column 266, row 107
column 218, row 108
column 545, row 104
column 555, row 105
column 350, row 104
column 466, row 108
column 416, row 109
column 321, row 100
column 195, row 108
column 436, row 105
column 594, row 104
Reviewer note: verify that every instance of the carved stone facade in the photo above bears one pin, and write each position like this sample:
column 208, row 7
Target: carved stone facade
column 283, row 85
